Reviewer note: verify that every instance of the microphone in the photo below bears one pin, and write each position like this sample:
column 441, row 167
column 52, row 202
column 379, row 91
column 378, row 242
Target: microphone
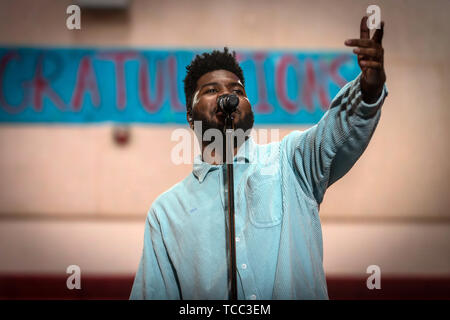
column 228, row 103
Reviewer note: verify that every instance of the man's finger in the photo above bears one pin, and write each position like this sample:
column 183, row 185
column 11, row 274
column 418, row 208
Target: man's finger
column 365, row 43
column 364, row 32
column 370, row 52
column 371, row 64
column 378, row 35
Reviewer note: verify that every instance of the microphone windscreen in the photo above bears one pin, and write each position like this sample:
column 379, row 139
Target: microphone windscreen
column 231, row 104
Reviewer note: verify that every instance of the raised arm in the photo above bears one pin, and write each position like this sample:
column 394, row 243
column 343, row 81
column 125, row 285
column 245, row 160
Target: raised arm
column 325, row 152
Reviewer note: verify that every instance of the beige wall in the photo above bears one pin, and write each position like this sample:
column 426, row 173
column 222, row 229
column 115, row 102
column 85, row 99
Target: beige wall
column 404, row 172
column 77, row 171
column 114, row 247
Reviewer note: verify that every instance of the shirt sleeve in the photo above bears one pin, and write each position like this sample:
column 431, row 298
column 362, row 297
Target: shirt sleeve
column 155, row 278
column 325, row 152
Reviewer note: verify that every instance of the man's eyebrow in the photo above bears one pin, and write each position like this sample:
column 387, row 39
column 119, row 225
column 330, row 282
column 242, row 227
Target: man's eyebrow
column 208, row 84
column 232, row 84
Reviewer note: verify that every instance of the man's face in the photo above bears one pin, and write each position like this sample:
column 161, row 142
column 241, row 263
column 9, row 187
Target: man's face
column 204, row 107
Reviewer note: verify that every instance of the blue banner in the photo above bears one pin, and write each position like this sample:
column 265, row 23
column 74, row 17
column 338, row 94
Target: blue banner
column 53, row 85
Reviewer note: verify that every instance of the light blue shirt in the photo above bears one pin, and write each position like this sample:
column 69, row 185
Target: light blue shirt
column 278, row 191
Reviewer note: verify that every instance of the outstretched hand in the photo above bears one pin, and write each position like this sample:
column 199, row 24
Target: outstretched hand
column 370, row 59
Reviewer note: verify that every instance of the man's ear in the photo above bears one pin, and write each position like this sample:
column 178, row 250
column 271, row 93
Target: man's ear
column 189, row 118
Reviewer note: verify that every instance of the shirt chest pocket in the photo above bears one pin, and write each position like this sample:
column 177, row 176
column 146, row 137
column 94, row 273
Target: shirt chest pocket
column 264, row 199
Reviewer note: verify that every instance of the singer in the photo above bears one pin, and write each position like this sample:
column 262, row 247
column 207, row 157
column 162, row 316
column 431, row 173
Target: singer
column 277, row 226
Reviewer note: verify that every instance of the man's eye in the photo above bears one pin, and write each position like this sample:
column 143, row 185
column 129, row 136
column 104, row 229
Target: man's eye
column 238, row 91
column 211, row 90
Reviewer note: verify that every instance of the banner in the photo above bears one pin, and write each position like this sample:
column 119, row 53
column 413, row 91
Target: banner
column 54, row 85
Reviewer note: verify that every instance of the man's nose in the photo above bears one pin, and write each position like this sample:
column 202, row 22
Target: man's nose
column 225, row 91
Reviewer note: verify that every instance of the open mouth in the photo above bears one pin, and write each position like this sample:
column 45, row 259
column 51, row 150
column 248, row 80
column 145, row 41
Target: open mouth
column 221, row 116
column 220, row 113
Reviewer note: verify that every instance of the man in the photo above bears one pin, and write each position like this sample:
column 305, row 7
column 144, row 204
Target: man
column 278, row 231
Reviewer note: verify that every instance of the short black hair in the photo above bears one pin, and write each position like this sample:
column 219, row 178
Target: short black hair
column 207, row 62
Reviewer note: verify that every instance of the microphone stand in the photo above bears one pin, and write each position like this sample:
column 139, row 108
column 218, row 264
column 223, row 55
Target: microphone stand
column 231, row 240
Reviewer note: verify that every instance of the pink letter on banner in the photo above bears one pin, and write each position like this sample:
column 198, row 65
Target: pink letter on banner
column 149, row 105
column 281, row 71
column 9, row 108
column 263, row 105
column 86, row 81
column 41, row 87
column 174, row 97
column 119, row 59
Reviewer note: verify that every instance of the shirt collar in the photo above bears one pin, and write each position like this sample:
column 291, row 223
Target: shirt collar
column 245, row 154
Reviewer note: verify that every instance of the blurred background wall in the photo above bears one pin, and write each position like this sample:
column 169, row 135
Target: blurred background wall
column 70, row 195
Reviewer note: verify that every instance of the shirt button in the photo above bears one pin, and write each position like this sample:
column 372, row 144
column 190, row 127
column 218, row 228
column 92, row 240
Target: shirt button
column 244, row 266
column 238, row 239
column 253, row 297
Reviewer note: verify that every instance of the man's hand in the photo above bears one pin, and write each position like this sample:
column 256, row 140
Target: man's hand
column 370, row 59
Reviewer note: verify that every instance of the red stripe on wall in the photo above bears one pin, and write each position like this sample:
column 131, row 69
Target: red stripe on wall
column 119, row 287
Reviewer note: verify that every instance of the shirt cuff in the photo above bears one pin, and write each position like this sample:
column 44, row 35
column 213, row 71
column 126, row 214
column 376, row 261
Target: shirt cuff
column 368, row 110
column 380, row 100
